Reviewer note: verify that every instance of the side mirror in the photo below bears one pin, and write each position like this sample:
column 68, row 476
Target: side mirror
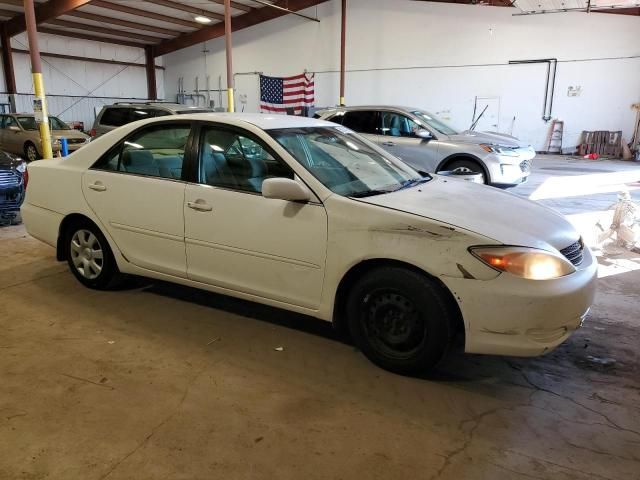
column 285, row 189
column 424, row 134
column 14, row 128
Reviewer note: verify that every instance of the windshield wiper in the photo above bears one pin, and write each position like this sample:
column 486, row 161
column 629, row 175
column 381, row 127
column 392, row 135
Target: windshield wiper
column 369, row 193
column 413, row 182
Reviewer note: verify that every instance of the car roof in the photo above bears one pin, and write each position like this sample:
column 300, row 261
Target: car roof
column 371, row 107
column 166, row 105
column 265, row 121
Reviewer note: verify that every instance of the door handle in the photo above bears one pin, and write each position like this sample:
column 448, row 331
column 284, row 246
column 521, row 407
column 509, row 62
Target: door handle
column 389, row 144
column 98, row 187
column 200, row 205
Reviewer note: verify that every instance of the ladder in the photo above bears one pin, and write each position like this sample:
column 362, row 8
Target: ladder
column 554, row 140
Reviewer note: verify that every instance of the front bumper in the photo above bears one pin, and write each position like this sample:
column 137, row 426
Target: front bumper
column 509, row 171
column 513, row 316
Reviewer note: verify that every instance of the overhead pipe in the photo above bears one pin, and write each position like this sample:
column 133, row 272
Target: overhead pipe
column 550, row 85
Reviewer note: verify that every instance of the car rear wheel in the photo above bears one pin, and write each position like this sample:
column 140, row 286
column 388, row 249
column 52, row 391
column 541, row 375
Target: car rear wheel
column 400, row 319
column 31, row 152
column 89, row 256
column 466, row 166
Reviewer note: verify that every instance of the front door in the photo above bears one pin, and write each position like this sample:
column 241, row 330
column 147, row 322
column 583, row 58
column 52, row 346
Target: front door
column 238, row 240
column 398, row 138
column 137, row 192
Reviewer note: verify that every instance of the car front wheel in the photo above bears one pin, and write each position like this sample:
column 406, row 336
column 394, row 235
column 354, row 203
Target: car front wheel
column 400, row 319
column 89, row 256
column 464, row 166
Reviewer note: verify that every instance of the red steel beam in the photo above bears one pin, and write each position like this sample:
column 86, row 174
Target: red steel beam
column 249, row 19
column 7, row 60
column 119, row 7
column 44, row 11
column 150, row 67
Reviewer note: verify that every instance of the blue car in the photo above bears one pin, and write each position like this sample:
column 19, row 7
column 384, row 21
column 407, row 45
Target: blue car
column 13, row 182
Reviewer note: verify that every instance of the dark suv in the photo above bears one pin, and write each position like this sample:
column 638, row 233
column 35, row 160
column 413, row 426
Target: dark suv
column 121, row 113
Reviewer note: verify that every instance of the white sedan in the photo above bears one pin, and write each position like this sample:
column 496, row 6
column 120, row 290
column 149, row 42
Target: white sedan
column 308, row 216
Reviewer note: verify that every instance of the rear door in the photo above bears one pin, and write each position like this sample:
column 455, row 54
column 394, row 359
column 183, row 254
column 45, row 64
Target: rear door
column 137, row 192
column 365, row 122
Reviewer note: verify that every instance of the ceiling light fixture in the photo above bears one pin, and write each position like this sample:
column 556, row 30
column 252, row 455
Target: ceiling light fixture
column 202, row 19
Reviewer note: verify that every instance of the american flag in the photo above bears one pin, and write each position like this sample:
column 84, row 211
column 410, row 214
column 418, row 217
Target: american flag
column 278, row 94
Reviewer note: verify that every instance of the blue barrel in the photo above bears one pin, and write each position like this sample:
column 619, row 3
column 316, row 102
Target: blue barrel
column 64, row 147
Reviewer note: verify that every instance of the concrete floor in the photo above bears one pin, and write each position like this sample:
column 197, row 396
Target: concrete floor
column 159, row 381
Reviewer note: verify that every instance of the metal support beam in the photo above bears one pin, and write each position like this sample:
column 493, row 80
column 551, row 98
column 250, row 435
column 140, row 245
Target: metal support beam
column 44, row 11
column 150, row 67
column 39, row 101
column 227, row 44
column 254, row 17
column 343, row 37
column 7, row 61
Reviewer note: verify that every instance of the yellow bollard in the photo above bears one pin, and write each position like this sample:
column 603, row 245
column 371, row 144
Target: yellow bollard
column 230, row 100
column 40, row 110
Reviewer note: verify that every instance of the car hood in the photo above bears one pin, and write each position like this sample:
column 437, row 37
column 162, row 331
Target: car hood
column 476, row 138
column 496, row 214
column 68, row 134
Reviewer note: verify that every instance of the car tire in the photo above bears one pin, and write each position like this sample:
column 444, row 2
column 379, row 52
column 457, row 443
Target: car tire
column 89, row 256
column 400, row 319
column 31, row 152
column 466, row 165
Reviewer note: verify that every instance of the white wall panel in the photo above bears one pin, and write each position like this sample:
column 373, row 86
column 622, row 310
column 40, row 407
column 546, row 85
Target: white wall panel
column 466, row 50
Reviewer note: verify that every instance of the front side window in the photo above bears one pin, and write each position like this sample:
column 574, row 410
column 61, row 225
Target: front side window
column 156, row 151
column 396, row 125
column 361, row 121
column 344, row 162
column 232, row 160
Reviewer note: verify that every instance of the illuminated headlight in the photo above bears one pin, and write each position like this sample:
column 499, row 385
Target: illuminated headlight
column 529, row 263
column 22, row 167
column 500, row 150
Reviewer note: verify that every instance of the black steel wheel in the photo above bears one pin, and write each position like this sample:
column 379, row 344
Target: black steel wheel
column 400, row 319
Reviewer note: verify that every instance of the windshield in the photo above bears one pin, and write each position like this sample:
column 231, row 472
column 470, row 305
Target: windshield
column 345, row 163
column 435, row 123
column 29, row 123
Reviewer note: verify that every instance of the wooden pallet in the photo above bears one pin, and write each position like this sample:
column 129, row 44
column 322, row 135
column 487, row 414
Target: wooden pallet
column 601, row 142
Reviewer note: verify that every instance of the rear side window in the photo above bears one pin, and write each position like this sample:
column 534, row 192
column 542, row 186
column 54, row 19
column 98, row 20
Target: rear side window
column 362, row 121
column 116, row 117
column 156, row 151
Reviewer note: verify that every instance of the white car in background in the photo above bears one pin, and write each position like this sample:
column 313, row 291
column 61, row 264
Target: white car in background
column 308, row 216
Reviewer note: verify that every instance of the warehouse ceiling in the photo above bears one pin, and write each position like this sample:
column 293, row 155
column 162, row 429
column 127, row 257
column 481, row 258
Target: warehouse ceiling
column 165, row 25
